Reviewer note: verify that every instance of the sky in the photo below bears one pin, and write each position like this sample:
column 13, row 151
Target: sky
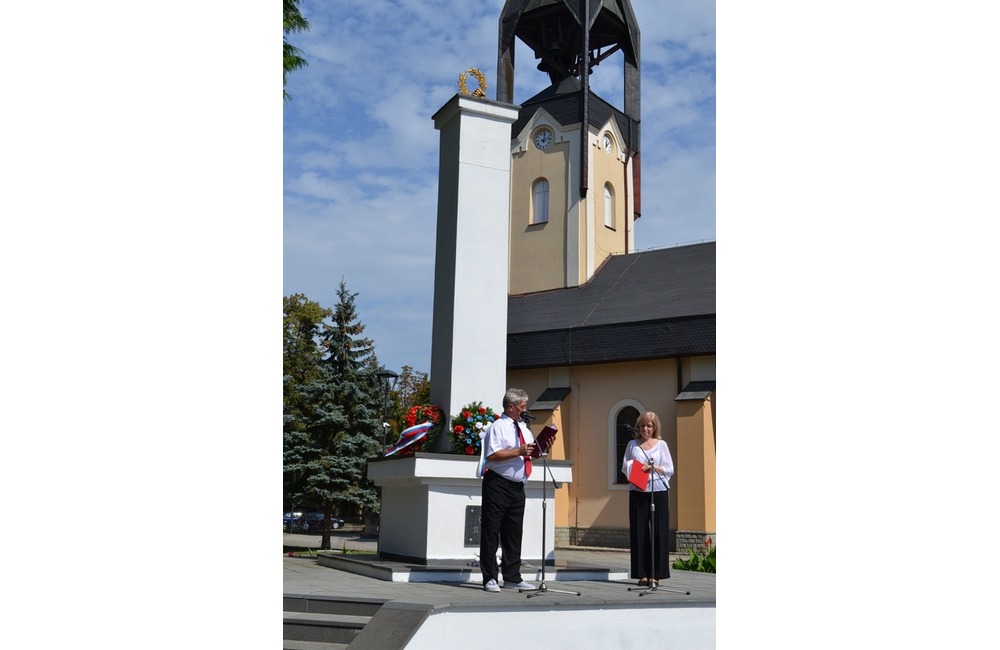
column 361, row 150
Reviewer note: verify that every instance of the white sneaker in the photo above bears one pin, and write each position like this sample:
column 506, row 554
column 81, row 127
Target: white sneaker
column 520, row 585
column 492, row 586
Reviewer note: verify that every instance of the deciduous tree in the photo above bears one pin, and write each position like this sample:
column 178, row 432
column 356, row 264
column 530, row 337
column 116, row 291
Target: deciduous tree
column 412, row 388
column 294, row 22
column 302, row 354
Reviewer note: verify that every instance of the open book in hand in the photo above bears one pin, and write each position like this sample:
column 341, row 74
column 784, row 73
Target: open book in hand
column 544, row 440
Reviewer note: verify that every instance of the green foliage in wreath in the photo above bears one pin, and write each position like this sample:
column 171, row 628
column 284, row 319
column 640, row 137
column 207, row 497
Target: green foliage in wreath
column 467, row 426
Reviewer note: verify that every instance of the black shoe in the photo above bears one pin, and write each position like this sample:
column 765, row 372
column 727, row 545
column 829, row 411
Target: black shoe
column 644, row 582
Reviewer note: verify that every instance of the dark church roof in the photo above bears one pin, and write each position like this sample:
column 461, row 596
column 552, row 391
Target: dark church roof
column 654, row 304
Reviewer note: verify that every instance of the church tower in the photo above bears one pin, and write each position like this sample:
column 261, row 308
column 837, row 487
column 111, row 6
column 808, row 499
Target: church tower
column 574, row 157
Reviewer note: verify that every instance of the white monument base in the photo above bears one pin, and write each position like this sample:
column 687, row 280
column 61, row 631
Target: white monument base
column 431, row 504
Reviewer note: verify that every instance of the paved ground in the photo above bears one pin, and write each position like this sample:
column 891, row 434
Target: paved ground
column 304, row 576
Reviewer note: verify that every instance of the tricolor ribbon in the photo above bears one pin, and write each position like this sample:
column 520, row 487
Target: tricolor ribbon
column 410, row 436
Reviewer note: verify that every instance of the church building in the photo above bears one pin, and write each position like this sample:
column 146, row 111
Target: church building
column 598, row 333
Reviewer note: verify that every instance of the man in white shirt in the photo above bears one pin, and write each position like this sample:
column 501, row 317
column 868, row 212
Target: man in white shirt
column 508, row 447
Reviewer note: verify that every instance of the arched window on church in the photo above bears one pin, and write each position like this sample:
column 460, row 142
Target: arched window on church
column 628, row 415
column 540, row 201
column 609, row 206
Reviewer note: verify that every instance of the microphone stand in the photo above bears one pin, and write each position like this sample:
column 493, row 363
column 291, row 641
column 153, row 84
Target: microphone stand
column 542, row 588
column 654, row 582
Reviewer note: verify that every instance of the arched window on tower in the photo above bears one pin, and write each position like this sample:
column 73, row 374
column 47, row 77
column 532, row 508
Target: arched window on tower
column 609, row 206
column 540, row 201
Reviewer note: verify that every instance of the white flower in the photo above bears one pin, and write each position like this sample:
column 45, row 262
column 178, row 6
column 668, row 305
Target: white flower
column 479, row 425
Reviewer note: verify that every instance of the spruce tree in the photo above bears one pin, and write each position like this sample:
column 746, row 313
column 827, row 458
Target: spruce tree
column 328, row 444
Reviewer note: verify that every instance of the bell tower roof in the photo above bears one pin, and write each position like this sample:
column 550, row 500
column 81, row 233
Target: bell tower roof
column 570, row 38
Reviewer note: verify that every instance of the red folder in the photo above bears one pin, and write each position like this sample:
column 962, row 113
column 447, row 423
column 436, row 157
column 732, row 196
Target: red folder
column 637, row 477
column 544, row 440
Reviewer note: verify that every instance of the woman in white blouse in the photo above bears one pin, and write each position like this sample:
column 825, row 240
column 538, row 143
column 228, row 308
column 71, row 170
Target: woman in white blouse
column 648, row 456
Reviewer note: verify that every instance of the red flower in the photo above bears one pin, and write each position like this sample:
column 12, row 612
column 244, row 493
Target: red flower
column 459, row 428
column 469, row 450
column 415, row 415
column 466, row 414
column 482, row 410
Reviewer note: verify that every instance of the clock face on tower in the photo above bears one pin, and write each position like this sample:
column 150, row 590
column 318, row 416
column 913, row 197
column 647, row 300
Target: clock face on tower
column 607, row 143
column 543, row 139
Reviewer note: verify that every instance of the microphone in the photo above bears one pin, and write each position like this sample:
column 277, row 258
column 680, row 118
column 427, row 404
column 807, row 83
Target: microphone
column 527, row 417
column 631, row 429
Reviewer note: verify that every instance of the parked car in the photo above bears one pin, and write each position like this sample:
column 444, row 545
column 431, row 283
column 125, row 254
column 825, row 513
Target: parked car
column 312, row 522
column 291, row 521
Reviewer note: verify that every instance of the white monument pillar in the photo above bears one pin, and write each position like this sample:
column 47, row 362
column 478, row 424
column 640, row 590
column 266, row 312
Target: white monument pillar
column 431, row 500
column 469, row 340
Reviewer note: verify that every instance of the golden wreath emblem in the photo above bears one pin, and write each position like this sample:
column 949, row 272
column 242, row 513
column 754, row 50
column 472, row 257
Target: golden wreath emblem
column 480, row 77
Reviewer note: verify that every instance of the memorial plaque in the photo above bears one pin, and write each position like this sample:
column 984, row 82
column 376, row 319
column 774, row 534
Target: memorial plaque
column 473, row 516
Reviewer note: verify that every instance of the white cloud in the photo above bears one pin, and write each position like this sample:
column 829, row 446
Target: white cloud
column 361, row 151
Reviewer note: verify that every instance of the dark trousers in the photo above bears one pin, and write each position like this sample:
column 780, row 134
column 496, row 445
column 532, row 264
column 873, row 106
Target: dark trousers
column 640, row 537
column 503, row 521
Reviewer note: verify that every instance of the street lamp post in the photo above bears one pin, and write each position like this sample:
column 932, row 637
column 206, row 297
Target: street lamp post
column 388, row 379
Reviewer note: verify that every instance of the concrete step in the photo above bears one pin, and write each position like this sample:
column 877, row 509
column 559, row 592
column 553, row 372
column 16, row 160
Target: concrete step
column 312, row 645
column 331, row 605
column 324, row 628
column 324, row 623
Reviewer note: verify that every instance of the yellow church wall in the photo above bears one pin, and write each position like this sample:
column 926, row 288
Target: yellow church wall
column 695, row 459
column 608, row 170
column 572, row 221
column 586, row 437
column 541, row 247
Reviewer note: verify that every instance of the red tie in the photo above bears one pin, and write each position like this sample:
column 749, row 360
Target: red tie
column 527, row 459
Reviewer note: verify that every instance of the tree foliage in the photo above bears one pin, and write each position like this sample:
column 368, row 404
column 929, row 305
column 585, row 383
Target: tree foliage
column 302, row 355
column 332, row 417
column 412, row 388
column 293, row 59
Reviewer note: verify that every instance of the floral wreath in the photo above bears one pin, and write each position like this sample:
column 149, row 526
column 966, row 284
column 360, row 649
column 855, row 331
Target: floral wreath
column 416, row 415
column 468, row 425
